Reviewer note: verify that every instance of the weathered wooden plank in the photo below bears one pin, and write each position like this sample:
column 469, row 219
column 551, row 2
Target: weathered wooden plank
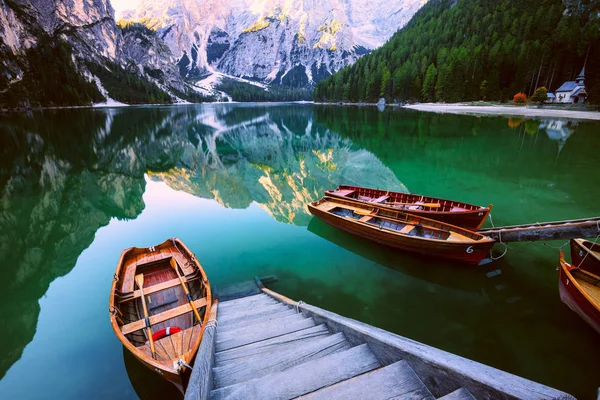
column 257, row 319
column 162, row 317
column 560, row 230
column 237, row 290
column 257, row 312
column 256, row 367
column 304, row 378
column 251, row 331
column 259, row 335
column 396, row 381
column 459, row 394
column 268, row 346
column 200, row 383
column 429, row 363
column 243, row 303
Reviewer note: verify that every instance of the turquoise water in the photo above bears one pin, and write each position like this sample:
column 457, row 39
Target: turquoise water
column 233, row 181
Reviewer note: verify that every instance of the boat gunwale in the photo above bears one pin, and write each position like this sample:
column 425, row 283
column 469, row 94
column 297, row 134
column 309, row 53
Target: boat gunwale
column 483, row 238
column 188, row 355
column 567, row 268
column 582, row 244
column 475, row 207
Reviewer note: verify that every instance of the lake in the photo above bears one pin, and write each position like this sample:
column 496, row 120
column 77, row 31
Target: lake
column 233, row 181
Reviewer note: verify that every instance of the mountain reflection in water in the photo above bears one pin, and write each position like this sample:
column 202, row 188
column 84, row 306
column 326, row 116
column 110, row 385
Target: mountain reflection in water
column 66, row 173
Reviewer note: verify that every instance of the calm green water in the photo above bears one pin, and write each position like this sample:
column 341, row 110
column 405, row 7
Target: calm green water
column 233, row 181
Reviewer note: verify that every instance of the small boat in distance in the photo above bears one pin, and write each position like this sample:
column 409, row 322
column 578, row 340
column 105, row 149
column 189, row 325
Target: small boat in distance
column 580, row 291
column 159, row 306
column 585, row 255
column 402, row 230
column 451, row 212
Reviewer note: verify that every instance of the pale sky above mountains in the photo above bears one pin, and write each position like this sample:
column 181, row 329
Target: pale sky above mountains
column 121, row 5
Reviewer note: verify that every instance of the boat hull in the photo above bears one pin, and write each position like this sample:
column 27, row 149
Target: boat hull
column 168, row 292
column 573, row 298
column 473, row 217
column 471, row 253
column 581, row 256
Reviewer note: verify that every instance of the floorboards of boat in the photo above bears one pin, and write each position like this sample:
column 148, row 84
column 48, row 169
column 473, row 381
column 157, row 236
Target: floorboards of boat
column 592, row 290
column 166, row 299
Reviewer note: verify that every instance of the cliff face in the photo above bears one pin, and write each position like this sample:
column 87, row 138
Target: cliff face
column 90, row 29
column 274, row 41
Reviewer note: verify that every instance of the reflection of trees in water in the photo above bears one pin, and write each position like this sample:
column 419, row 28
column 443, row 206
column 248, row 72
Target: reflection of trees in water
column 66, row 173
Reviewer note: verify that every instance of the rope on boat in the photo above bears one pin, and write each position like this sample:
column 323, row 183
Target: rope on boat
column 298, row 306
column 491, row 220
column 502, row 255
column 587, row 253
column 556, row 247
column 181, row 363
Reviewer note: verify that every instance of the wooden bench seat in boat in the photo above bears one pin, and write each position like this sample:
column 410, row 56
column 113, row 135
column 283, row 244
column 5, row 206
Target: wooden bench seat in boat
column 162, row 317
column 345, row 192
column 128, row 278
column 154, row 288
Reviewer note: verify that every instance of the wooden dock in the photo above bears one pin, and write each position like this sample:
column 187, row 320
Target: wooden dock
column 558, row 230
column 262, row 345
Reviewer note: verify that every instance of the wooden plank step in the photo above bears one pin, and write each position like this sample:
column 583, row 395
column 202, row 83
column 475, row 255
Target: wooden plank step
column 459, row 394
column 242, row 332
column 270, row 345
column 244, row 315
column 258, row 319
column 258, row 335
column 246, row 302
column 395, row 381
column 237, row 290
column 256, row 367
column 162, row 317
column 304, row 378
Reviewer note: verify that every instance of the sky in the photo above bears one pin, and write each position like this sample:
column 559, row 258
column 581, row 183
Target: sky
column 120, row 5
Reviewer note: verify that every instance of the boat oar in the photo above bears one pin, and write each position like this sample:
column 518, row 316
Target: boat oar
column 362, row 212
column 185, row 288
column 139, row 279
column 429, row 205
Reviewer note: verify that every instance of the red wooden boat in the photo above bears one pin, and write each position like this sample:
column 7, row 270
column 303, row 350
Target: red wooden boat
column 402, row 230
column 451, row 212
column 585, row 255
column 580, row 291
column 159, row 306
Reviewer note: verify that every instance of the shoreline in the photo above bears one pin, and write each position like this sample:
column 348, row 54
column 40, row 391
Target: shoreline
column 458, row 108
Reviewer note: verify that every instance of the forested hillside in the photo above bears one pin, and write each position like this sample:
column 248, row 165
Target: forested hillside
column 459, row 50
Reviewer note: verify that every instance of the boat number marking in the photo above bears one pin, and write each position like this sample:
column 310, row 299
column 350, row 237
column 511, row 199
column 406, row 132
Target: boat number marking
column 580, row 253
column 480, row 214
column 158, row 370
column 567, row 281
column 470, row 249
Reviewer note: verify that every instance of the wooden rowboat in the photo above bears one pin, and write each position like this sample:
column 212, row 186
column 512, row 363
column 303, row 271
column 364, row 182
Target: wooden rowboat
column 451, row 212
column 159, row 306
column 585, row 255
column 580, row 291
column 402, row 230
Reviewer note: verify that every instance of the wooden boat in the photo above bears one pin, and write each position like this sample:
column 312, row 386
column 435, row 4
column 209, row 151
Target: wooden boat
column 585, row 255
column 580, row 291
column 402, row 230
column 451, row 212
column 159, row 306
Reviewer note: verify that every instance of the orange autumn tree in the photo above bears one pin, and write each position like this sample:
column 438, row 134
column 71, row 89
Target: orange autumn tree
column 520, row 98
